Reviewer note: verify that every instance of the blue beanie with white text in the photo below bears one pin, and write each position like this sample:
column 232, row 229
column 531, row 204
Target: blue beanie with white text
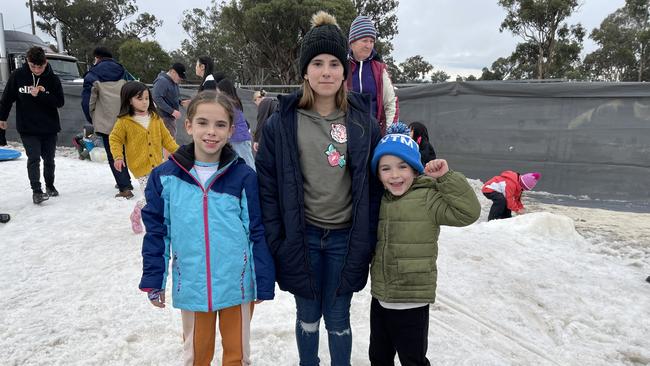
column 398, row 143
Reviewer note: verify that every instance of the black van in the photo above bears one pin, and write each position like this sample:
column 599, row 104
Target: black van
column 17, row 43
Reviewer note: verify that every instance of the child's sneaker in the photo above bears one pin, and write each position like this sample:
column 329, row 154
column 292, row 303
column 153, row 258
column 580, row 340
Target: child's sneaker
column 136, row 220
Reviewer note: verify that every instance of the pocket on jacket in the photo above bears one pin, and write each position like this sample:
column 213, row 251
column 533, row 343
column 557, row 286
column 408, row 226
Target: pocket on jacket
column 415, row 265
column 416, row 272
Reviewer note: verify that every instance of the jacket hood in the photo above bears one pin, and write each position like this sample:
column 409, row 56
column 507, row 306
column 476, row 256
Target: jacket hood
column 185, row 156
column 108, row 69
column 163, row 75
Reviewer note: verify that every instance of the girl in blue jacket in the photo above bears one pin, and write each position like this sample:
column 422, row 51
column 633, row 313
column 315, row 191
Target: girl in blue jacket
column 319, row 201
column 203, row 213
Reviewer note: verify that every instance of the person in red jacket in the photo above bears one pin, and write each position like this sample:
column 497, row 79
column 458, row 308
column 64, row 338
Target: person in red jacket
column 505, row 191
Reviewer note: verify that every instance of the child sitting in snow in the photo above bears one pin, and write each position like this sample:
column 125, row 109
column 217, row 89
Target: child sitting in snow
column 403, row 269
column 505, row 191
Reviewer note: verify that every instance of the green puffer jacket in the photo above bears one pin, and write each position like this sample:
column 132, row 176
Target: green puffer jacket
column 404, row 265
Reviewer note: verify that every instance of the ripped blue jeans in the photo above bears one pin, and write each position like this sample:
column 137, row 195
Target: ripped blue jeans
column 327, row 252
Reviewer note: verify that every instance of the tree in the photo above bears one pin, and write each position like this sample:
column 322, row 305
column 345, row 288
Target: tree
column 537, row 22
column 501, row 69
column 88, row 23
column 414, row 69
column 143, row 59
column 623, row 38
column 439, row 76
column 258, row 41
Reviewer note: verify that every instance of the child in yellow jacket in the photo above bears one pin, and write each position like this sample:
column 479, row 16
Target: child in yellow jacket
column 140, row 132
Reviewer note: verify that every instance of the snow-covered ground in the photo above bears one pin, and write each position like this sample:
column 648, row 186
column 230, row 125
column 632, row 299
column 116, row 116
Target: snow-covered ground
column 557, row 286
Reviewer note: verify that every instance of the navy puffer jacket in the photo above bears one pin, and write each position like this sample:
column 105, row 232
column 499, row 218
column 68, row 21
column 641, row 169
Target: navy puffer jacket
column 282, row 196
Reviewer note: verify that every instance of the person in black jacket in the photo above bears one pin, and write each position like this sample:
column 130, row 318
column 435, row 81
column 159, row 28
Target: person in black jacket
column 320, row 203
column 204, row 68
column 266, row 107
column 37, row 92
column 100, row 102
column 420, row 134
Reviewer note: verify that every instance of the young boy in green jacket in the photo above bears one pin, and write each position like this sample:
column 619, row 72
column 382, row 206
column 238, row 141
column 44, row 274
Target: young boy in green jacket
column 403, row 270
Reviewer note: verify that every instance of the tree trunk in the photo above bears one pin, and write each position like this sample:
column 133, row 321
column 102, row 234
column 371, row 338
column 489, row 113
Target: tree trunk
column 641, row 63
column 540, row 62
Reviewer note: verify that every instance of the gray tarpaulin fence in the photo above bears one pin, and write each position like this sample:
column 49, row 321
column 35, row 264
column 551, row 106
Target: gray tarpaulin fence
column 588, row 139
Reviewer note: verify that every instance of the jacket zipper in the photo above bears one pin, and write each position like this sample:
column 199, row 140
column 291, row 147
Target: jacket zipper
column 206, row 231
column 355, row 208
column 360, row 83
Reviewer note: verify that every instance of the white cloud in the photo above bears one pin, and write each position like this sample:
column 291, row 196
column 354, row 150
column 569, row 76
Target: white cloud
column 458, row 39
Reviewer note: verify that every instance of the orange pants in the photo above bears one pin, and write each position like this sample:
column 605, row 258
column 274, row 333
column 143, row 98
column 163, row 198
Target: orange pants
column 199, row 332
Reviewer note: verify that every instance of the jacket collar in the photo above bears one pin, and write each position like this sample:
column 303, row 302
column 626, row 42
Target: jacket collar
column 185, row 156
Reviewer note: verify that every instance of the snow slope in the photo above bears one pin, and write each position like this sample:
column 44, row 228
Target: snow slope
column 531, row 290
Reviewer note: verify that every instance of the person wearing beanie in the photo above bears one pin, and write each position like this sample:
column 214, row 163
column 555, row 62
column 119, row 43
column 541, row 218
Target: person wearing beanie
column 505, row 192
column 319, row 201
column 368, row 74
column 417, row 200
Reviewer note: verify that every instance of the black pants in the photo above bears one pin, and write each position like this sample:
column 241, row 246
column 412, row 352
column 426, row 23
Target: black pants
column 403, row 331
column 122, row 179
column 37, row 147
column 499, row 209
column 3, row 138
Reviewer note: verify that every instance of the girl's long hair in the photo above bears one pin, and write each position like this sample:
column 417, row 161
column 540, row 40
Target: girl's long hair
column 308, row 98
column 134, row 89
column 227, row 87
column 420, row 132
column 211, row 96
column 209, row 65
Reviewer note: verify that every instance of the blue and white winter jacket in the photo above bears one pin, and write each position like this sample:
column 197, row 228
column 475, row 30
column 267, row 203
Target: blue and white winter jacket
column 214, row 235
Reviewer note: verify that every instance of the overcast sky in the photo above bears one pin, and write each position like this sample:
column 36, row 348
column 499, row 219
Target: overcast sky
column 456, row 36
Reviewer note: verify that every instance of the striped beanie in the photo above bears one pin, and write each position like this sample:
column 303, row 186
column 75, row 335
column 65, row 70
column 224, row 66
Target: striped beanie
column 362, row 27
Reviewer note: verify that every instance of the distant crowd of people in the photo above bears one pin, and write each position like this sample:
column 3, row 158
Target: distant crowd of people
column 329, row 188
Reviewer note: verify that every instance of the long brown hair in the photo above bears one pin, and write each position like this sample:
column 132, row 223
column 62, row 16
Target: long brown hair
column 308, row 98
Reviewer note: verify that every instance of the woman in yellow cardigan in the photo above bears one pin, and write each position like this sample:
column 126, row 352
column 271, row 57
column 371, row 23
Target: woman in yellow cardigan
column 142, row 133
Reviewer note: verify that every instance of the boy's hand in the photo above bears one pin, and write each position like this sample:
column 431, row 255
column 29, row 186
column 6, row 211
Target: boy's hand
column 157, row 297
column 521, row 212
column 118, row 164
column 436, row 168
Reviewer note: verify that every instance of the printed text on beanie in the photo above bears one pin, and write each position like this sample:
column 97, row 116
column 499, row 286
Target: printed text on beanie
column 402, row 146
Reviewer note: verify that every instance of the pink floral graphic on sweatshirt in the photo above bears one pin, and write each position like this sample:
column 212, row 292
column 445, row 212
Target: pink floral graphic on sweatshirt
column 334, row 157
column 339, row 133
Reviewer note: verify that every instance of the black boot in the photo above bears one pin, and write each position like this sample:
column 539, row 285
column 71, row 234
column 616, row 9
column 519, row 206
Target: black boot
column 39, row 197
column 4, row 218
column 51, row 191
column 648, row 279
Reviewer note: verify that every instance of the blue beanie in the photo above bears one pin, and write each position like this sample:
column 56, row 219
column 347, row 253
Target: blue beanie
column 398, row 143
column 361, row 27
